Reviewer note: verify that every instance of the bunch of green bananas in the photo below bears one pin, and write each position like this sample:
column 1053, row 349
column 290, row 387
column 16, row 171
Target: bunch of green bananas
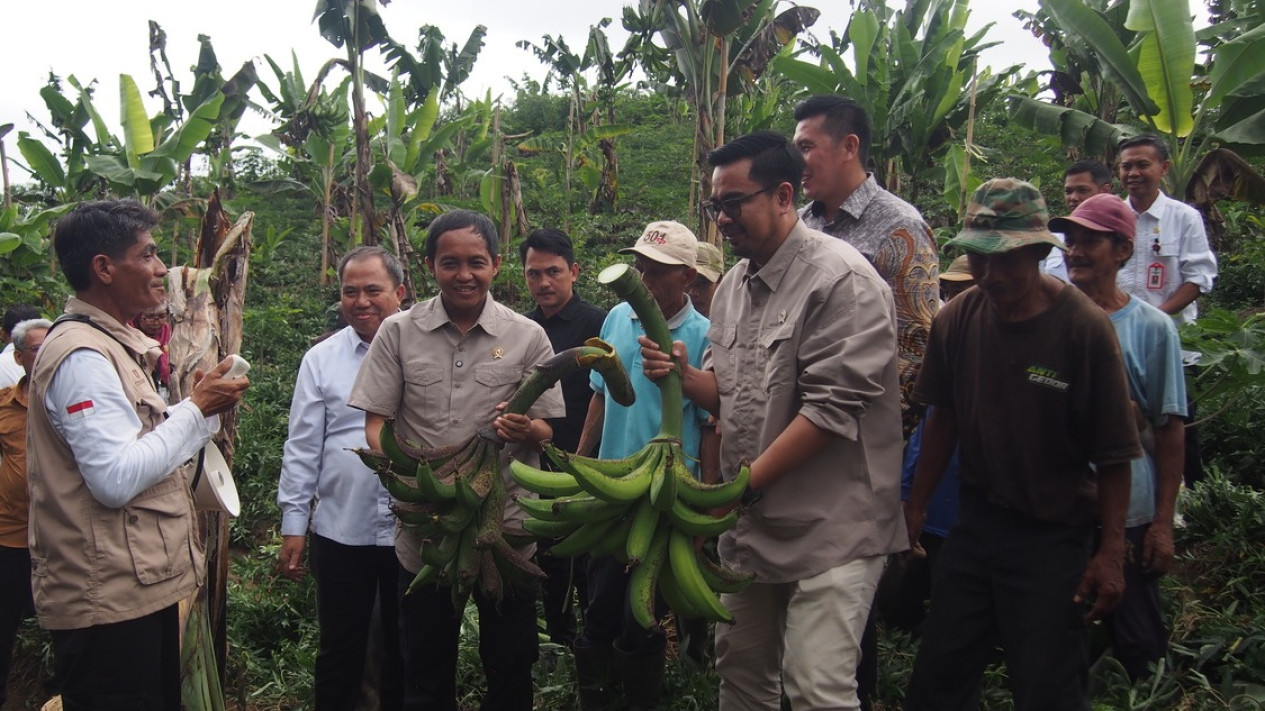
column 454, row 502
column 453, row 498
column 645, row 509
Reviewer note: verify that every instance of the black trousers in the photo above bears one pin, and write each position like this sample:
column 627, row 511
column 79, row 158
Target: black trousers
column 125, row 666
column 608, row 618
column 566, row 580
column 15, row 604
column 349, row 579
column 1138, row 634
column 1005, row 578
column 430, row 629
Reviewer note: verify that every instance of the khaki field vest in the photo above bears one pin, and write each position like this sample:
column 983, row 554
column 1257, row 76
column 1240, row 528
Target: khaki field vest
column 94, row 565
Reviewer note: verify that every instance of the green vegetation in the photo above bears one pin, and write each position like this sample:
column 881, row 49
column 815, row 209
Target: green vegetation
column 316, row 194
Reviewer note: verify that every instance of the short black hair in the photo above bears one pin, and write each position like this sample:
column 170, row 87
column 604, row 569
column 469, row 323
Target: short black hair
column 108, row 227
column 843, row 116
column 1099, row 173
column 773, row 159
column 548, row 239
column 394, row 270
column 460, row 220
column 16, row 314
column 1146, row 139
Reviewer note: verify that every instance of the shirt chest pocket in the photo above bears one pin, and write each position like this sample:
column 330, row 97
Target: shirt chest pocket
column 496, row 384
column 423, row 383
column 723, row 357
column 1160, row 244
column 777, row 358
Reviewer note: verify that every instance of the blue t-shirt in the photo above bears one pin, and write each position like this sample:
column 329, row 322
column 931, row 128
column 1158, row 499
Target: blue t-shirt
column 627, row 429
column 942, row 510
column 1153, row 365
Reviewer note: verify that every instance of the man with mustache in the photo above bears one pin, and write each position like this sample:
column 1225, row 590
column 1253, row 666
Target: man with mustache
column 114, row 543
column 1099, row 238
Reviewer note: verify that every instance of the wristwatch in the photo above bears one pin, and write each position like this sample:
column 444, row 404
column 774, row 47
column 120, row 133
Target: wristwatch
column 751, row 497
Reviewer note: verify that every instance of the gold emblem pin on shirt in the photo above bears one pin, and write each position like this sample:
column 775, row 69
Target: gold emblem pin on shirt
column 498, row 352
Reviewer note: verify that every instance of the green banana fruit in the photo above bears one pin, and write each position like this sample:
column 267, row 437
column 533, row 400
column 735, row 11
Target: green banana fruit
column 584, row 538
column 663, row 483
column 690, row 578
column 540, row 509
column 550, row 529
column 672, row 594
column 720, row 578
column 643, row 582
column 645, row 521
column 400, row 460
column 428, row 574
column 696, row 523
column 623, row 489
column 543, row 482
column 585, row 508
column 710, row 496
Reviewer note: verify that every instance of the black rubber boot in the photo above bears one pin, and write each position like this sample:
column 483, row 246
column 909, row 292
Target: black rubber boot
column 594, row 676
column 641, row 675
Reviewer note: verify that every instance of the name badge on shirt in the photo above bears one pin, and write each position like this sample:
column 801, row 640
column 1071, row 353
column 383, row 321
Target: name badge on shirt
column 1155, row 276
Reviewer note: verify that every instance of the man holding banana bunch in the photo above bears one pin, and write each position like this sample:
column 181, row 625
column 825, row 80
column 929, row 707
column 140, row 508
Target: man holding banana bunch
column 801, row 371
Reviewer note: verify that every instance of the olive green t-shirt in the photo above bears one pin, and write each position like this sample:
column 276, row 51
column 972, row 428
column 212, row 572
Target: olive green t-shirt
column 1037, row 402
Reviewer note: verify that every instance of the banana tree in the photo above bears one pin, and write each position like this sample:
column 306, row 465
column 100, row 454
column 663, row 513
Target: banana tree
column 1207, row 119
column 911, row 70
column 314, row 135
column 357, row 26
column 140, row 164
column 708, row 40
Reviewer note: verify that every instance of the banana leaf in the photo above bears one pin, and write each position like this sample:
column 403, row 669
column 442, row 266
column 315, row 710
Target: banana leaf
column 1166, row 60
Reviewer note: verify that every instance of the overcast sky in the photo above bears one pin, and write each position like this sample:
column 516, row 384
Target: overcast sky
column 99, row 40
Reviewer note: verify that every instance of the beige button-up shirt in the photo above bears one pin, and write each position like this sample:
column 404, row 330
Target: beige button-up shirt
column 812, row 333
column 444, row 385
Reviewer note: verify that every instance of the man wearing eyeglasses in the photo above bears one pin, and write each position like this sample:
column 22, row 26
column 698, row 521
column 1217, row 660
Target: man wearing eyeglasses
column 614, row 651
column 801, row 370
column 834, row 135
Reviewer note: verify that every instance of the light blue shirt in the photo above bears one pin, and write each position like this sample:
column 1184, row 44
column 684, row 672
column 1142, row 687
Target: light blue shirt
column 1153, row 365
column 626, row 430
column 318, row 470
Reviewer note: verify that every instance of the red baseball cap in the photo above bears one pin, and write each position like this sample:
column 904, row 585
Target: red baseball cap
column 1101, row 213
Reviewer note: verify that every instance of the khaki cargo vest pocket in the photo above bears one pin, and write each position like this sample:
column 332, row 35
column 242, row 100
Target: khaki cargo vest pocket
column 158, row 537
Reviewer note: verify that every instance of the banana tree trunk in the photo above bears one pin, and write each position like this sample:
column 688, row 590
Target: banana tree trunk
column 207, row 301
column 364, row 157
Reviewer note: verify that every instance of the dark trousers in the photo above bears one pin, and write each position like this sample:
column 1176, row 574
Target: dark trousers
column 15, row 604
column 1005, row 578
column 349, row 579
column 1138, row 635
column 430, row 629
column 125, row 666
column 608, row 618
column 566, row 580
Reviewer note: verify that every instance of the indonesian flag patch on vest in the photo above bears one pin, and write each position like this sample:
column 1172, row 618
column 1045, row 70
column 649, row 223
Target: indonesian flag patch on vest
column 79, row 410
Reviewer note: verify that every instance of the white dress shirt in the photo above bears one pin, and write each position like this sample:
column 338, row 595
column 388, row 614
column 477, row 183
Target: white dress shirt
column 318, row 469
column 1170, row 249
column 115, row 462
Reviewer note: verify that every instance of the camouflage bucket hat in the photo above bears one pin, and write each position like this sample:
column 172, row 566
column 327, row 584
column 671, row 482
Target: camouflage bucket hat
column 1005, row 214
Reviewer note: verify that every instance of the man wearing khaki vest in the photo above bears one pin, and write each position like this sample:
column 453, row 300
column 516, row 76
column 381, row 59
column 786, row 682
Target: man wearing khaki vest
column 112, row 529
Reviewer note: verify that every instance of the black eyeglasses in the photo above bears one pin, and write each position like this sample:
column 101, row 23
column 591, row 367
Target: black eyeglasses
column 732, row 207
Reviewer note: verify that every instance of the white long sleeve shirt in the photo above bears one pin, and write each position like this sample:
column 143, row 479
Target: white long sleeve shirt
column 1169, row 249
column 318, row 469
column 88, row 408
